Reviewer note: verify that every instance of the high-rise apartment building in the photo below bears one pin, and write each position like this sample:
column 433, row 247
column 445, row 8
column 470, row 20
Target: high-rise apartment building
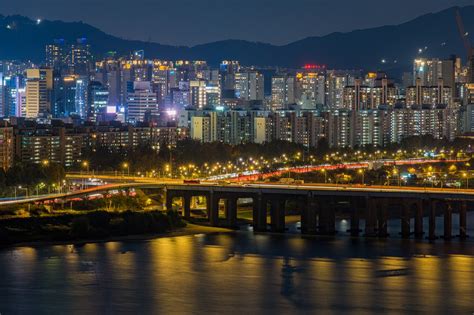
column 249, row 86
column 283, row 91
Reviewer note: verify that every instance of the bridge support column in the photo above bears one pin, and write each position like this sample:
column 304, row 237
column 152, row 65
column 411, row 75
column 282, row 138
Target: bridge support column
column 405, row 220
column 231, row 211
column 214, row 209
column 277, row 209
column 463, row 220
column 169, row 201
column 355, row 218
column 259, row 213
column 370, row 217
column 432, row 221
column 382, row 219
column 187, row 206
column 448, row 221
column 308, row 215
column 327, row 217
column 419, row 219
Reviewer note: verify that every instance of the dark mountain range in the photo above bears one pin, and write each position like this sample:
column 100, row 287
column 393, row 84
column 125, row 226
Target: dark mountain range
column 435, row 33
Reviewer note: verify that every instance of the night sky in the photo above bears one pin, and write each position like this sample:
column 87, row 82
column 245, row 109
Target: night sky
column 190, row 22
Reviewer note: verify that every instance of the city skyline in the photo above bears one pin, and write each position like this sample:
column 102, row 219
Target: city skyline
column 249, row 20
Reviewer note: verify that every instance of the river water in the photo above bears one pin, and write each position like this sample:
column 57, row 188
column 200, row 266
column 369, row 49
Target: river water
column 241, row 272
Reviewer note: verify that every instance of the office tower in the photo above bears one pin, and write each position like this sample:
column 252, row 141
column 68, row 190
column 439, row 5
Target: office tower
column 14, row 95
column 249, row 86
column 21, row 102
column 98, row 99
column 141, row 101
column 56, row 55
column 161, row 81
column 3, row 97
column 80, row 59
column 126, row 83
column 39, row 86
column 80, row 97
column 283, row 91
column 64, row 96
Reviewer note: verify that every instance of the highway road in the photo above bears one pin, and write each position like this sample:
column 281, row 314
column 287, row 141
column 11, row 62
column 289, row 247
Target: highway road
column 241, row 181
column 386, row 191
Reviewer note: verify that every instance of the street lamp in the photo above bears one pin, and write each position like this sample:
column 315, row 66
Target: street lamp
column 85, row 164
column 362, row 173
column 126, row 166
column 26, row 190
column 396, row 173
column 325, row 175
column 465, row 175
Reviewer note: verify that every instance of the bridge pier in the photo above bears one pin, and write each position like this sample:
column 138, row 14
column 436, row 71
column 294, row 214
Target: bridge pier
column 463, row 220
column 277, row 213
column 448, row 221
column 370, row 217
column 187, row 206
column 419, row 219
column 405, row 220
column 355, row 218
column 327, row 217
column 213, row 209
column 308, row 215
column 169, row 201
column 259, row 213
column 231, row 211
column 382, row 230
column 432, row 221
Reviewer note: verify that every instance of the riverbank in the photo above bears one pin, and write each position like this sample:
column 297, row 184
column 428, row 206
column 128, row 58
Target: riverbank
column 189, row 229
column 88, row 226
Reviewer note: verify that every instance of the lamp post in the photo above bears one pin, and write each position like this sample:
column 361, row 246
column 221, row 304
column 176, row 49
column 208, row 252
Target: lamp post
column 26, row 190
column 362, row 173
column 126, row 166
column 325, row 175
column 465, row 175
column 171, row 160
column 85, row 164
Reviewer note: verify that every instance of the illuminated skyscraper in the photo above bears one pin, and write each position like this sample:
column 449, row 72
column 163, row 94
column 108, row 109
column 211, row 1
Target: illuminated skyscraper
column 98, row 98
column 283, row 91
column 249, row 86
column 80, row 59
column 56, row 55
column 141, row 101
column 39, row 86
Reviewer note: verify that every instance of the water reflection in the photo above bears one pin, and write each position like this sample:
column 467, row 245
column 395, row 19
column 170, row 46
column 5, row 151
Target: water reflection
column 240, row 273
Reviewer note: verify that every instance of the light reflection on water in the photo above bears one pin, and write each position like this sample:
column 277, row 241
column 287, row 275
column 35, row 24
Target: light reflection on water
column 241, row 273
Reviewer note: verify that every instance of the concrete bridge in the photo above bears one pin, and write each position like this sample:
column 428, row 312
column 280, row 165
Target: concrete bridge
column 317, row 203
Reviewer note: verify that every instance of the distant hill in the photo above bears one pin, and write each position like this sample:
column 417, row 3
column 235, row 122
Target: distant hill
column 23, row 38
